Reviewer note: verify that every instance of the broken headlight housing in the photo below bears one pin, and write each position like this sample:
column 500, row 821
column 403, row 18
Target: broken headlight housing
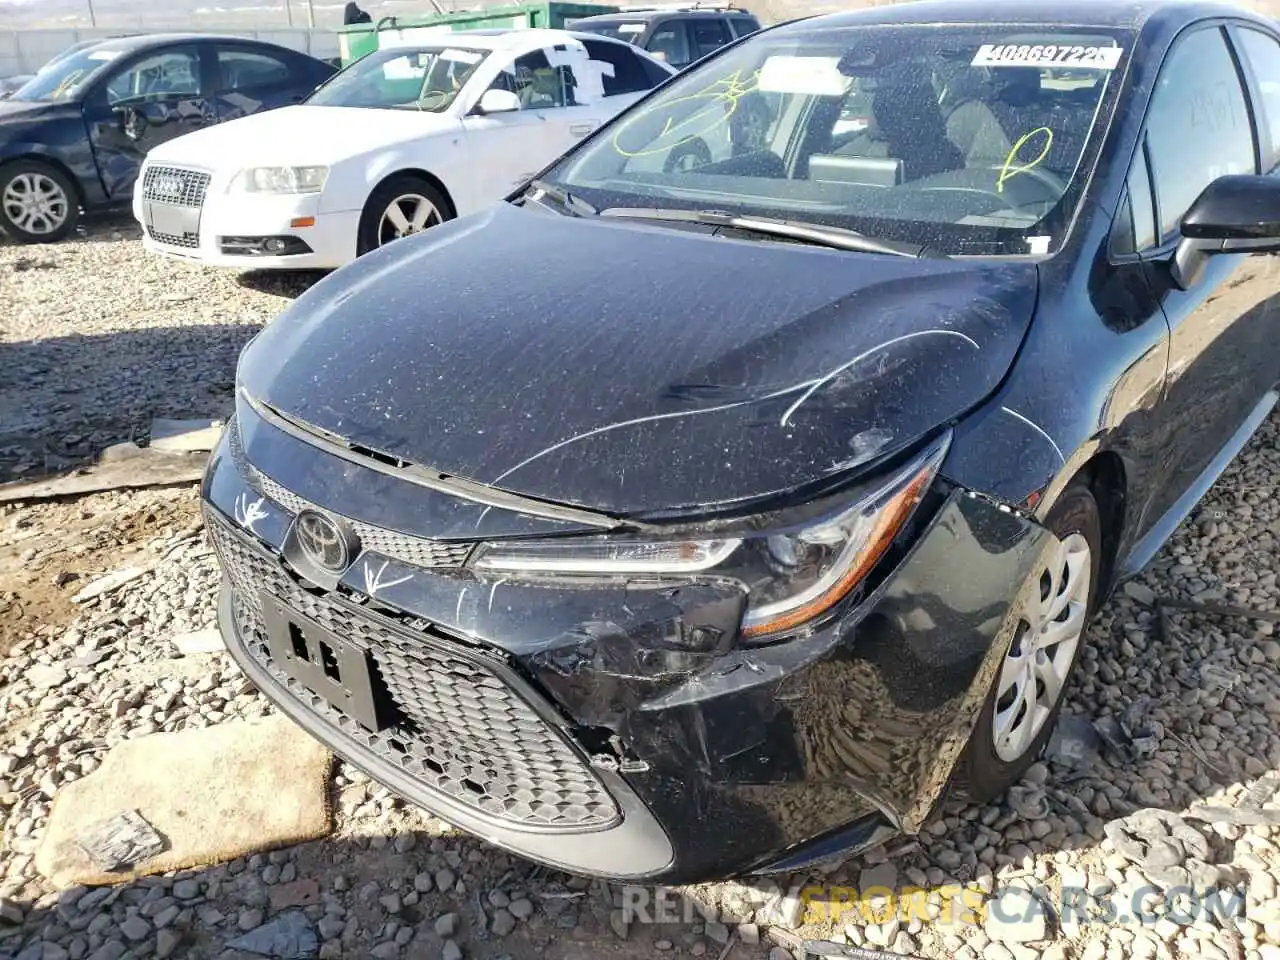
column 794, row 574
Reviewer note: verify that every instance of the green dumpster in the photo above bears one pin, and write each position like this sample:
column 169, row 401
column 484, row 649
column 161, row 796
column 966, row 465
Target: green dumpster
column 358, row 39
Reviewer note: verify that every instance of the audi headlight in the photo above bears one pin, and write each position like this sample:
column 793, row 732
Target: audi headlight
column 794, row 575
column 282, row 179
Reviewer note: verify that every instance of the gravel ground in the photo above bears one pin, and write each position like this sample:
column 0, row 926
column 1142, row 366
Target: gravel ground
column 1171, row 710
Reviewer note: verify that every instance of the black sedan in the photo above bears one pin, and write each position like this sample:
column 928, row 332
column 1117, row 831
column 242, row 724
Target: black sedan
column 73, row 137
column 709, row 518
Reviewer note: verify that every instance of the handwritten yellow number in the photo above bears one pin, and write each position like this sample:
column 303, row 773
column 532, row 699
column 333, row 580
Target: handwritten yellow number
column 717, row 103
column 1009, row 170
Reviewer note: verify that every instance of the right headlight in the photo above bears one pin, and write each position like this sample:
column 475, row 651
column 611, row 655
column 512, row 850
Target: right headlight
column 281, row 179
column 793, row 575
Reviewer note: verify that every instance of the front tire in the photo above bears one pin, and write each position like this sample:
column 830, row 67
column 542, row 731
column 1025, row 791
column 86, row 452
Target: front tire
column 1023, row 705
column 400, row 206
column 38, row 202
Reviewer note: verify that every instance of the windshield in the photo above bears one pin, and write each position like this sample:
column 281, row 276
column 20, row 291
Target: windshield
column 423, row 78
column 628, row 30
column 963, row 139
column 65, row 78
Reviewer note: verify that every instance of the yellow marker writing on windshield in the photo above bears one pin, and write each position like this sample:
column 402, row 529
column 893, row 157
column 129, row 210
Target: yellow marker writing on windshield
column 1008, row 169
column 714, row 105
column 65, row 86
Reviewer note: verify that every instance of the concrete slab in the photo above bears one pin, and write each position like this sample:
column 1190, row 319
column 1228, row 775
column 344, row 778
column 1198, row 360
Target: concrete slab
column 212, row 795
column 208, row 640
column 185, row 436
column 148, row 468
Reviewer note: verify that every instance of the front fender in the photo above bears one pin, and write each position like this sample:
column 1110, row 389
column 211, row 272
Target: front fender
column 73, row 159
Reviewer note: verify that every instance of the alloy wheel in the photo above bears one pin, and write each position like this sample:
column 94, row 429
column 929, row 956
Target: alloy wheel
column 35, row 203
column 407, row 214
column 1035, row 669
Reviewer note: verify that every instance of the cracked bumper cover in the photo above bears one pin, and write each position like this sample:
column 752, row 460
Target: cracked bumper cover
column 722, row 762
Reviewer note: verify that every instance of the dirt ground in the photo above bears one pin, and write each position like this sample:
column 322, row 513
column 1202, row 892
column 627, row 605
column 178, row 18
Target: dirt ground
column 49, row 551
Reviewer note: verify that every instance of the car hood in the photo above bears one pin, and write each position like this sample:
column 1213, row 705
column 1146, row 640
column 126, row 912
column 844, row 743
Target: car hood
column 301, row 135
column 636, row 369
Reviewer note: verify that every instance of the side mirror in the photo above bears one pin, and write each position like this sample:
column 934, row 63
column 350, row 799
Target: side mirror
column 497, row 101
column 1238, row 213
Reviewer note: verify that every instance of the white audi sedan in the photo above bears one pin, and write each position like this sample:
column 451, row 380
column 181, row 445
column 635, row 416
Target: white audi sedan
column 401, row 140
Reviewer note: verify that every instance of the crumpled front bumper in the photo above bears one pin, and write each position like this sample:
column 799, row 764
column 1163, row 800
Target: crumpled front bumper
column 716, row 760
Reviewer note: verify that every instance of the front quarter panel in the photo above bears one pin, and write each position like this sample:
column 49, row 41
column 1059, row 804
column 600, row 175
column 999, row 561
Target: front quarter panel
column 441, row 155
column 866, row 718
column 62, row 137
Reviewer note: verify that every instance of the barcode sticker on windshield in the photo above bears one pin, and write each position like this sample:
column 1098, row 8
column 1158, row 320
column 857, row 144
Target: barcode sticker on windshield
column 1047, row 55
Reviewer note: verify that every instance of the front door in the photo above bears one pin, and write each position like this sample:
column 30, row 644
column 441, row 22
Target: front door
column 506, row 149
column 1221, row 356
column 144, row 102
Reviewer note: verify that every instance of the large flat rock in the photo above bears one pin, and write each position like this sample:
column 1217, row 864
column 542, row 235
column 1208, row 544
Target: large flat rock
column 212, row 794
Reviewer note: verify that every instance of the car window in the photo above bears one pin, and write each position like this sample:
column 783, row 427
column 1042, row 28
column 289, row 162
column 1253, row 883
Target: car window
column 538, row 84
column 1198, row 125
column 246, row 69
column 963, row 138
column 423, row 78
column 70, row 74
column 708, row 34
column 744, row 25
column 1263, row 54
column 654, row 72
column 161, row 76
column 629, row 74
column 669, row 42
column 629, row 30
column 1136, row 220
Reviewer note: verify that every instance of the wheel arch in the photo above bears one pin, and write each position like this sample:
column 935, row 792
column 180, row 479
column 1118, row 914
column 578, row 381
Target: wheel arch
column 49, row 160
column 1104, row 474
column 421, row 174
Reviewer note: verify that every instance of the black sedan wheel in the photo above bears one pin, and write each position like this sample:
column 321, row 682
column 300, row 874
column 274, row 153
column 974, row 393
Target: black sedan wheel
column 1024, row 704
column 38, row 204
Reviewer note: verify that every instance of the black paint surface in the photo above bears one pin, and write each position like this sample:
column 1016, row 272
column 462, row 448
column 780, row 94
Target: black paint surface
column 548, row 356
column 638, row 370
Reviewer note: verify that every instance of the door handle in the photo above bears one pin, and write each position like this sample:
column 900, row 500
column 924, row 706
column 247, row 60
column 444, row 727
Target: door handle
column 581, row 129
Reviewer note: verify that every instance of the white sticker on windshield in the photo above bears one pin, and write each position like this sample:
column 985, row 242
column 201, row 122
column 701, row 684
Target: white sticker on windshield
column 104, row 55
column 462, row 56
column 816, row 76
column 631, row 28
column 402, row 68
column 1047, row 55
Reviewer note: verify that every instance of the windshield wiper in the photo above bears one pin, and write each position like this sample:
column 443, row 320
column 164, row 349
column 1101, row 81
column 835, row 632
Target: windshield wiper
column 575, row 206
column 837, row 238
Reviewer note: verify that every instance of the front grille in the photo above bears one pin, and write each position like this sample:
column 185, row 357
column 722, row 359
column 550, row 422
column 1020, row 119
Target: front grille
column 461, row 729
column 416, row 551
column 193, row 184
column 190, row 241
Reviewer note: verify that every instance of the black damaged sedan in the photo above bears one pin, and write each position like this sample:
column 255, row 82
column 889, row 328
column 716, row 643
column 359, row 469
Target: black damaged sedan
column 747, row 481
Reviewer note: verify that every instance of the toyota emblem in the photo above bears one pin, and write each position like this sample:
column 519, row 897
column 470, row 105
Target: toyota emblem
column 323, row 542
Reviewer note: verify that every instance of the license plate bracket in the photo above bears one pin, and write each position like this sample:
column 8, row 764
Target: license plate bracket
column 339, row 672
column 171, row 220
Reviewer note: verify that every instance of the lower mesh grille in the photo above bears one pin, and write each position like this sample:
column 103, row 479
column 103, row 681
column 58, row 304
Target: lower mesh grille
column 189, row 241
column 461, row 729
